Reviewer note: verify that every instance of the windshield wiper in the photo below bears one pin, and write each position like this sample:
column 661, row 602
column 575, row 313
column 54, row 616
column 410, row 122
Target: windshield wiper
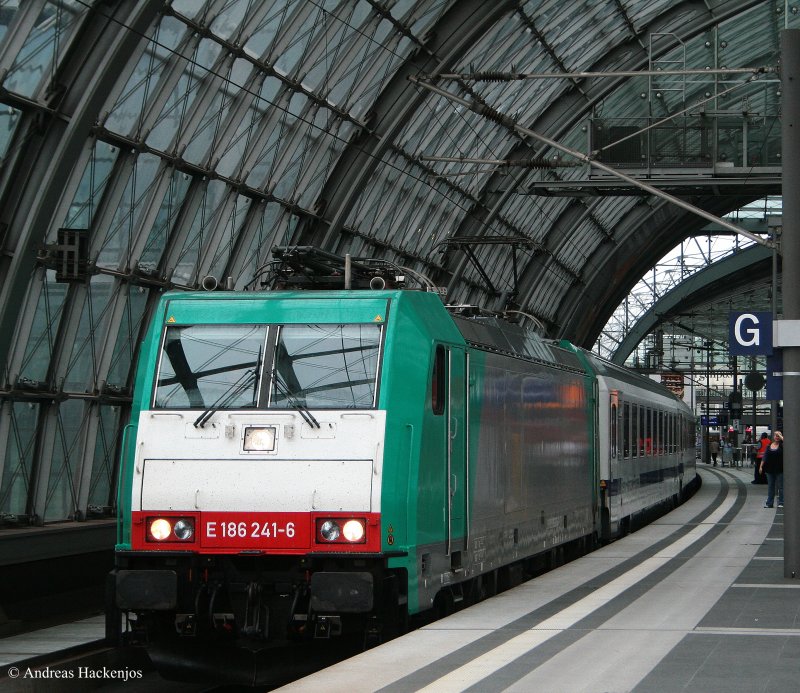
column 244, row 381
column 308, row 417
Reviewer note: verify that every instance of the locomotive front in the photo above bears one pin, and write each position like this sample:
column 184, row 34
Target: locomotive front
column 250, row 498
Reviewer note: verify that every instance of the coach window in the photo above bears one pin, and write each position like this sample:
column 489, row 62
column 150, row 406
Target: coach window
column 626, row 430
column 668, row 433
column 438, row 381
column 661, row 433
column 648, row 436
column 671, row 420
column 642, row 428
column 614, row 424
column 654, row 432
column 634, row 431
column 676, row 440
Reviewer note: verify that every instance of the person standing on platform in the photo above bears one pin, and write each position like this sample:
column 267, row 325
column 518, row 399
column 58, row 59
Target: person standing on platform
column 758, row 475
column 727, row 453
column 772, row 464
column 713, row 448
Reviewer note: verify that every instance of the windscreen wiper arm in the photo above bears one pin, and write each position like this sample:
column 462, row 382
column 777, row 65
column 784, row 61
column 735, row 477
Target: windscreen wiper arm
column 244, row 381
column 308, row 417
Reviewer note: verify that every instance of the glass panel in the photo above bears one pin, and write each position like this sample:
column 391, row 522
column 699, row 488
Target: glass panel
column 233, row 222
column 263, row 37
column 259, row 247
column 92, row 329
column 326, row 366
column 19, row 456
column 116, row 247
column 158, row 235
column 227, row 22
column 127, row 335
column 9, row 117
column 105, row 446
column 93, row 182
column 206, row 215
column 39, row 349
column 189, row 8
column 62, row 499
column 635, row 443
column 210, row 365
column 43, row 47
column 241, row 150
column 8, row 10
column 126, row 114
column 183, row 99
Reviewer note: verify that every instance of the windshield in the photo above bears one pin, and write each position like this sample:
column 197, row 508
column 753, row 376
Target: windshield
column 204, row 364
column 326, row 366
column 214, row 367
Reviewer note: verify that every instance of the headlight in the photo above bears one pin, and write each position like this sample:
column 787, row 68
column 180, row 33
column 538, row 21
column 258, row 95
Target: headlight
column 353, row 530
column 183, row 530
column 170, row 529
column 259, row 438
column 160, row 529
column 330, row 531
column 342, row 530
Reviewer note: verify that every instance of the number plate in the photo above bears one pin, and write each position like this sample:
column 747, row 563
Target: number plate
column 255, row 530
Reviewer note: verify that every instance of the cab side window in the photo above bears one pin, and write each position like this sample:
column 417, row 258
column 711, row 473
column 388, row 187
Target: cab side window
column 438, row 394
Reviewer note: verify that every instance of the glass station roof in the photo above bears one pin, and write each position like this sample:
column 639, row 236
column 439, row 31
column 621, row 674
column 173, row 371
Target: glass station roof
column 164, row 141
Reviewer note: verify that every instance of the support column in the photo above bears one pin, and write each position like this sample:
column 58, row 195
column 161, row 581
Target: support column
column 790, row 246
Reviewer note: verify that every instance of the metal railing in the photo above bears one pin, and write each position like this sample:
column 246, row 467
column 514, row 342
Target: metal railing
column 717, row 142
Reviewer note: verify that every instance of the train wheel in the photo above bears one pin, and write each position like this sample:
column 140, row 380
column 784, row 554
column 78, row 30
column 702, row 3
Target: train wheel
column 605, row 526
column 476, row 592
column 396, row 612
column 488, row 582
column 113, row 620
column 444, row 603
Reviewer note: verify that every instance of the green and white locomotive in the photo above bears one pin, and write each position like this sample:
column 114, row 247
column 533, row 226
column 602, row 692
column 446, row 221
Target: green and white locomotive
column 304, row 463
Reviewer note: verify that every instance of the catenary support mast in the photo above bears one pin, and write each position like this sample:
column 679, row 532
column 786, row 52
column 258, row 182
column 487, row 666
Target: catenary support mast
column 790, row 124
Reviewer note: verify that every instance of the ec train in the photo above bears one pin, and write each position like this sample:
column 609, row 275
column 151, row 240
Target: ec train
column 301, row 464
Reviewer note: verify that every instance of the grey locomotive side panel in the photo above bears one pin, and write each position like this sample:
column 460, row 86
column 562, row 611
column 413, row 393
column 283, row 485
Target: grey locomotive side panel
column 531, row 479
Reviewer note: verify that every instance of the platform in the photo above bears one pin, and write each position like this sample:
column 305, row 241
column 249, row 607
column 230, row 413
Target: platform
column 23, row 646
column 694, row 602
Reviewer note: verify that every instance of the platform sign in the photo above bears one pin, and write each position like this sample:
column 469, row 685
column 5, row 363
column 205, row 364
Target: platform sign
column 673, row 382
column 709, row 420
column 749, row 334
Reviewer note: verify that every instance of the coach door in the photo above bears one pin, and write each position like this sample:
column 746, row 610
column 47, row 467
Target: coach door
column 457, row 445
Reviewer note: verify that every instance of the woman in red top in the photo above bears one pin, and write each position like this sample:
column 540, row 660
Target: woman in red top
column 759, row 476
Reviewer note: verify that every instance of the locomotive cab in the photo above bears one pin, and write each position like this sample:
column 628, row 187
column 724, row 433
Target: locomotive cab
column 253, row 479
